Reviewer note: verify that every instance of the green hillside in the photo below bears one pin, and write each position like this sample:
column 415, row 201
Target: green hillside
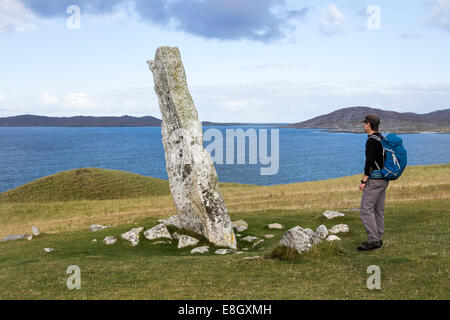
column 87, row 184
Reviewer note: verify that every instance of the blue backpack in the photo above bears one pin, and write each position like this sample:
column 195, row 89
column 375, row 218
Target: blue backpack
column 395, row 157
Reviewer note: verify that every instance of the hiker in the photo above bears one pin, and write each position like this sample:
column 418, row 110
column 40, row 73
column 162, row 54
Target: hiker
column 373, row 186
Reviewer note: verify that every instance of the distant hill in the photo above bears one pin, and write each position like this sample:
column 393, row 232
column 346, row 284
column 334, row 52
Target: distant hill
column 349, row 120
column 78, row 121
column 84, row 121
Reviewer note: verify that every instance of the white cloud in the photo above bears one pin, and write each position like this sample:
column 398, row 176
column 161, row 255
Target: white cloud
column 441, row 14
column 333, row 21
column 14, row 16
column 240, row 105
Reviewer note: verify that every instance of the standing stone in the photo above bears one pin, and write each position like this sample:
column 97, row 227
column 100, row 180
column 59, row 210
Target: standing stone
column 192, row 176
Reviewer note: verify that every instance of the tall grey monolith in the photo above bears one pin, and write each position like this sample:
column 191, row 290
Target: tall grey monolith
column 192, row 176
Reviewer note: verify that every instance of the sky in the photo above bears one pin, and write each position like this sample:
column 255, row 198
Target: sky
column 245, row 60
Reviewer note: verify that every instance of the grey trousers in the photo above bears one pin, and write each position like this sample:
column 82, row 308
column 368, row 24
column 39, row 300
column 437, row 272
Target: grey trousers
column 371, row 210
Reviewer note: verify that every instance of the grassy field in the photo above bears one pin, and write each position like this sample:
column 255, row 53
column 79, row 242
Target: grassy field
column 414, row 260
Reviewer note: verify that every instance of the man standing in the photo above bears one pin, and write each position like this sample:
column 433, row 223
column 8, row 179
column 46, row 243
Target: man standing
column 373, row 186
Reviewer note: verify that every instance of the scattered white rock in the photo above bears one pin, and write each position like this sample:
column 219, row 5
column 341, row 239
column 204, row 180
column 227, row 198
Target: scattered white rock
column 97, row 227
column 158, row 231
column 269, row 236
column 30, row 237
column 239, row 225
column 110, row 240
column 132, row 235
column 299, row 239
column 249, row 238
column 186, row 241
column 339, row 228
column 322, row 232
column 258, row 242
column 49, row 250
column 35, row 231
column 238, row 235
column 14, row 237
column 332, row 214
column 203, row 249
column 94, row 240
column 275, row 226
column 175, row 235
column 224, row 251
column 332, row 238
column 245, row 249
column 252, row 258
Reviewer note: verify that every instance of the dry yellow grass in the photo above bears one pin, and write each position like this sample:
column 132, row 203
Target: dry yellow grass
column 417, row 183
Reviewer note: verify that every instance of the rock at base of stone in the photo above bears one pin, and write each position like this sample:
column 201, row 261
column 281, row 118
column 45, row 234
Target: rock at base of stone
column 203, row 249
column 239, row 225
column 158, row 231
column 299, row 239
column 249, row 238
column 275, row 226
column 332, row 214
column 322, row 232
column 132, row 235
column 110, row 240
column 97, row 227
column 333, row 238
column 224, row 251
column 339, row 228
column 186, row 241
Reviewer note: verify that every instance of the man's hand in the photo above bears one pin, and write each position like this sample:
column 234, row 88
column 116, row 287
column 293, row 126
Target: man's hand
column 361, row 186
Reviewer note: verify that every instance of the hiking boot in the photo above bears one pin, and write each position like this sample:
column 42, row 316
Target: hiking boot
column 370, row 245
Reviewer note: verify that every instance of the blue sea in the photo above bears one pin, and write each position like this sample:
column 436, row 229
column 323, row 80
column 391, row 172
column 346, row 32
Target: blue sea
column 27, row 154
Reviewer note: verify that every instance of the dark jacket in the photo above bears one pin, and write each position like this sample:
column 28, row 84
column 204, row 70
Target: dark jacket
column 374, row 152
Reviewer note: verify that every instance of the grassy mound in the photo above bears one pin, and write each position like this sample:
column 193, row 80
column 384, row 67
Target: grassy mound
column 87, row 184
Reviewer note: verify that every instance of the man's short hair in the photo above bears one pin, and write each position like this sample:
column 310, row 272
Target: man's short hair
column 374, row 121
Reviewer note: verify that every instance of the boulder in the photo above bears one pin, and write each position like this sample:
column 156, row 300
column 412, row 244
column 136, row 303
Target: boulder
column 240, row 225
column 332, row 214
column 158, row 231
column 186, row 241
column 110, row 240
column 249, row 238
column 275, row 226
column 203, row 249
column 97, row 227
column 339, row 228
column 35, row 231
column 333, row 238
column 299, row 239
column 132, row 235
column 224, row 251
column 14, row 237
column 322, row 232
column 192, row 177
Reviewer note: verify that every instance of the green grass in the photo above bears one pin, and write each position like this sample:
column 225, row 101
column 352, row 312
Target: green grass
column 414, row 260
column 87, row 184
